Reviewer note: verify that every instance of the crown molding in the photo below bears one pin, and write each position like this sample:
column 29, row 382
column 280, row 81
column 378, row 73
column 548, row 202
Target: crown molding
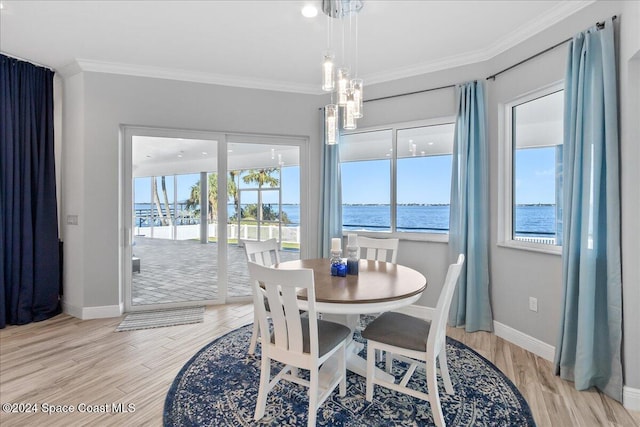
column 534, row 27
column 425, row 68
column 562, row 11
column 87, row 65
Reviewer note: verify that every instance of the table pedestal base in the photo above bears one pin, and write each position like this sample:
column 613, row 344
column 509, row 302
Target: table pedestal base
column 355, row 363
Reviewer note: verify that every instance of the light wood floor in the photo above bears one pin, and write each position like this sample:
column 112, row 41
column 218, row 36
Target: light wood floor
column 66, row 361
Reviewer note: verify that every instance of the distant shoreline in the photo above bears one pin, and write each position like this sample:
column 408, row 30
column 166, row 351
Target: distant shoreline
column 425, row 204
column 378, row 204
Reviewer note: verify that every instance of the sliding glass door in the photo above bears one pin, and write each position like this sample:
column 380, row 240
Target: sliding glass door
column 191, row 200
column 264, row 202
column 172, row 262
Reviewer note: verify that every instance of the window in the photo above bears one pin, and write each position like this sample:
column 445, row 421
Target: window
column 533, row 217
column 397, row 180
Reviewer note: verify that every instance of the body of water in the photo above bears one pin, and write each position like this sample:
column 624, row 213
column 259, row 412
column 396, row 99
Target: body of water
column 530, row 220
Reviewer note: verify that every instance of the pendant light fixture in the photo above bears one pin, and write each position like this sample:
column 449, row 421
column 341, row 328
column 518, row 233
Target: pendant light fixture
column 346, row 93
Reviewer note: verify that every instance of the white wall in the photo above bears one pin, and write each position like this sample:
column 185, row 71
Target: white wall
column 629, row 61
column 73, row 174
column 97, row 105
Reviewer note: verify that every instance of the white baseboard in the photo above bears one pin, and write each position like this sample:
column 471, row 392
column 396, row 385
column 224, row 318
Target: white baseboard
column 525, row 341
column 86, row 313
column 630, row 395
column 71, row 310
column 514, row 336
column 631, row 398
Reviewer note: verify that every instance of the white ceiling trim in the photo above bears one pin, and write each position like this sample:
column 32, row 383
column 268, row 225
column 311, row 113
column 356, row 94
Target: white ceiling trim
column 188, row 76
column 552, row 17
column 555, row 15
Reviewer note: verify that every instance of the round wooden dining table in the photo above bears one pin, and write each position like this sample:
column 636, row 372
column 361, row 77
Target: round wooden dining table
column 379, row 287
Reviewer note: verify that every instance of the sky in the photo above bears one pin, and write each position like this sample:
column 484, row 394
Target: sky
column 535, row 176
column 420, row 180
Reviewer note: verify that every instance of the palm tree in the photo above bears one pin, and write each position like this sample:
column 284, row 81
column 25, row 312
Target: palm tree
column 156, row 200
column 194, row 199
column 261, row 177
column 232, row 191
column 166, row 199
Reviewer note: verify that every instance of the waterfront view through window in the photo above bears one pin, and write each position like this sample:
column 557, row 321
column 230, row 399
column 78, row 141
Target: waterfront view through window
column 537, row 169
column 402, row 186
column 185, row 202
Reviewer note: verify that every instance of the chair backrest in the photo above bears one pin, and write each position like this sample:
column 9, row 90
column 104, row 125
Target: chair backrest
column 281, row 288
column 263, row 253
column 438, row 330
column 378, row 249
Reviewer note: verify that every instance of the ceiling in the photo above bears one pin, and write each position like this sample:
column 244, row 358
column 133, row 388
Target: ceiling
column 156, row 156
column 265, row 44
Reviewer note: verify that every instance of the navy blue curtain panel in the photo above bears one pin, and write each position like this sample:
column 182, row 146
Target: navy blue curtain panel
column 29, row 257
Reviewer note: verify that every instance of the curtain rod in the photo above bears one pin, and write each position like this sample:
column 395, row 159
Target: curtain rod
column 599, row 25
column 27, row 60
column 408, row 93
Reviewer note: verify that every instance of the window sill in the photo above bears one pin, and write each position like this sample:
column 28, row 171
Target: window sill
column 416, row 237
column 532, row 247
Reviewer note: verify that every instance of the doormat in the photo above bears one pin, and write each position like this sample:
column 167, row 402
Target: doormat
column 161, row 318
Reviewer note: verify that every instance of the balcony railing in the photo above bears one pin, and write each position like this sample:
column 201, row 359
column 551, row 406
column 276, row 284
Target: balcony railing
column 290, row 234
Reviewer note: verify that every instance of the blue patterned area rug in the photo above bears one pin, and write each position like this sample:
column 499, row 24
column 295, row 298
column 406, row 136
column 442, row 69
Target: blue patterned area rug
column 219, row 387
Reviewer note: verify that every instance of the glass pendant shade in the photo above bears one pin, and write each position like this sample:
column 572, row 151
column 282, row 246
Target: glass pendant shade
column 356, row 87
column 331, row 124
column 328, row 67
column 349, row 120
column 343, row 85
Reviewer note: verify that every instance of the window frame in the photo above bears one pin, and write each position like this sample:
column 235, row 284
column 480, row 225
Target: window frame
column 395, row 128
column 505, row 172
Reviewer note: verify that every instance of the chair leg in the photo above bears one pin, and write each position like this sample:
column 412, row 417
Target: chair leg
column 444, row 371
column 254, row 334
column 370, row 371
column 265, row 376
column 434, row 397
column 314, row 385
column 343, row 369
column 388, row 364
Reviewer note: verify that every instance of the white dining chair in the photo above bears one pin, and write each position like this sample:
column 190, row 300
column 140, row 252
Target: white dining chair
column 418, row 341
column 378, row 249
column 297, row 342
column 263, row 253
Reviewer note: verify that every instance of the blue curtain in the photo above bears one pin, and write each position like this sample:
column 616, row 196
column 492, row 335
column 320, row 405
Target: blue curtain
column 29, row 254
column 589, row 343
column 331, row 207
column 469, row 213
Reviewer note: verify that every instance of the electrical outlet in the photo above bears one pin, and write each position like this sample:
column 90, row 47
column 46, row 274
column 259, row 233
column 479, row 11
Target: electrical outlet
column 72, row 219
column 533, row 304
